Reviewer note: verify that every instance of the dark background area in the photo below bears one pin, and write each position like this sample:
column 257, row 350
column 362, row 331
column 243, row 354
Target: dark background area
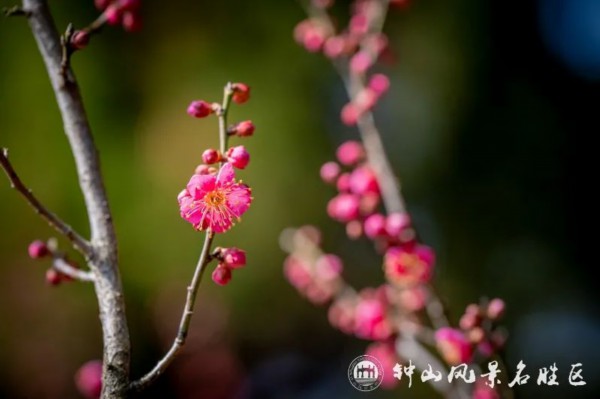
column 491, row 124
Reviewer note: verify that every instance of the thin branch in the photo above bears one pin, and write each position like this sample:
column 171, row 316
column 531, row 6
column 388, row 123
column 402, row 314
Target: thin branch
column 15, row 11
column 80, row 243
column 186, row 317
column 60, row 264
column 222, row 115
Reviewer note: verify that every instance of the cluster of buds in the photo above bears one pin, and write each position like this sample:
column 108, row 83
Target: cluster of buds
column 229, row 260
column 121, row 12
column 39, row 250
column 405, row 305
column 360, row 45
column 314, row 274
column 213, row 199
column 477, row 335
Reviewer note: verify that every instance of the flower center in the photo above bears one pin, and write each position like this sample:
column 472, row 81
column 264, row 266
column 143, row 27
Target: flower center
column 215, row 198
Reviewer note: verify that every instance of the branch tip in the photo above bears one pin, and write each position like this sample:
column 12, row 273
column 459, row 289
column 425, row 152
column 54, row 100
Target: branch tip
column 15, row 11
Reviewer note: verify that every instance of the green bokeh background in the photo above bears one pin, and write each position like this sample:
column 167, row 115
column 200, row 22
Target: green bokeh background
column 484, row 147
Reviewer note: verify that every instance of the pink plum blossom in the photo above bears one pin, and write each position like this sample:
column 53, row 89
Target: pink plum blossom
column 409, row 265
column 212, row 202
column 453, row 345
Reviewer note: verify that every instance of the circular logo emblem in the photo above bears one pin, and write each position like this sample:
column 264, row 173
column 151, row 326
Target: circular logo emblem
column 365, row 373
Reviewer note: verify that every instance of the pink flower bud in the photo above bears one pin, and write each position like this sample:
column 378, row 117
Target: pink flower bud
column 238, row 156
column 328, row 267
column 297, row 273
column 53, row 277
column 38, row 249
column 496, row 308
column 130, row 5
column 334, row 47
column 396, row 223
column 89, row 379
column 241, row 93
column 329, row 172
column 469, row 320
column 80, row 39
column 113, row 15
column 361, row 62
column 199, row 109
column 234, row 258
column 476, row 335
column 343, row 183
column 363, row 181
column 202, row 170
column 354, row 229
column 359, row 24
column 453, row 346
column 221, row 275
column 350, row 114
column 375, row 226
column 211, row 156
column 350, row 152
column 379, row 83
column 243, row 129
column 313, row 40
column 132, row 21
column 343, row 207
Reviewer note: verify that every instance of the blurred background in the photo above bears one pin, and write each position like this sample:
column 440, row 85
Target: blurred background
column 490, row 122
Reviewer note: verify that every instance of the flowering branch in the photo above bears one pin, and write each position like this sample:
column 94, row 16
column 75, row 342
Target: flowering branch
column 210, row 210
column 404, row 316
column 81, row 244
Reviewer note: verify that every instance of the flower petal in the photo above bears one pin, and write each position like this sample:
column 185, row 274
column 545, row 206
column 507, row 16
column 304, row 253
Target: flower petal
column 199, row 185
column 226, row 174
column 239, row 199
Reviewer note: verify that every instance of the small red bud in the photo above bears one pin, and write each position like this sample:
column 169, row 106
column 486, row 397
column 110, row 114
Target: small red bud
column 38, row 249
column 132, row 21
column 243, row 129
column 241, row 93
column 53, row 277
column 113, row 15
column 221, row 275
column 80, row 39
column 199, row 109
column 211, row 156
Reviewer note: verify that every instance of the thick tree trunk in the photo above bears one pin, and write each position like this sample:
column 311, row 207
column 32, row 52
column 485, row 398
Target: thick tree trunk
column 103, row 259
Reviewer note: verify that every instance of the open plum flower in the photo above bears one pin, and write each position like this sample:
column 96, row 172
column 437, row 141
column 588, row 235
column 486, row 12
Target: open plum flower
column 213, row 202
